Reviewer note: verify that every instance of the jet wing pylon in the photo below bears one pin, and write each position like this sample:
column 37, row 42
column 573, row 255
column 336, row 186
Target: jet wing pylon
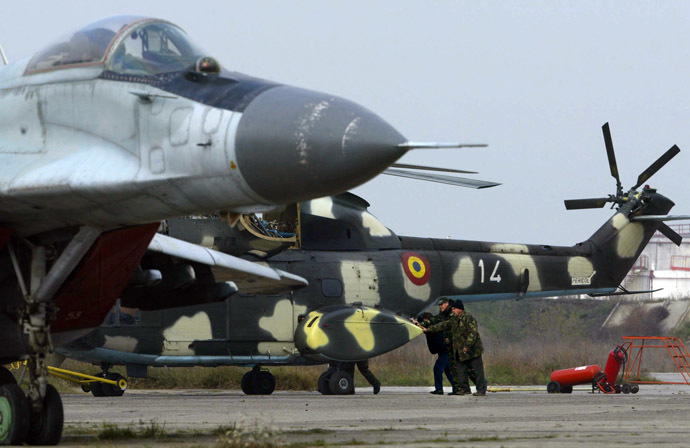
column 249, row 277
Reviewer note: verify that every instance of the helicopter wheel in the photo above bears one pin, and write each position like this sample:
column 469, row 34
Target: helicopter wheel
column 323, row 386
column 111, row 390
column 263, row 383
column 341, row 383
column 247, row 383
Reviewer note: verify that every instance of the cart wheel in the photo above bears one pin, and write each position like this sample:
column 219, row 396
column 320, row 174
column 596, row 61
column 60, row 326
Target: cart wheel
column 566, row 389
column 634, row 388
column 86, row 387
column 626, row 388
column 553, row 387
column 617, row 387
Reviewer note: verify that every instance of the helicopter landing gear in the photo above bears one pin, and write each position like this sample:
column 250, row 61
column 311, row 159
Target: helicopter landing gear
column 115, row 387
column 336, row 382
column 258, row 382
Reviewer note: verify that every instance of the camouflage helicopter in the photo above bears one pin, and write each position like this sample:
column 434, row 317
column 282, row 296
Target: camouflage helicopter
column 364, row 283
column 120, row 125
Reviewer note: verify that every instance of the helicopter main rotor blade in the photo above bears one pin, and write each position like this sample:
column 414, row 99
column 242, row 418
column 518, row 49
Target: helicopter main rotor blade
column 656, row 166
column 578, row 204
column 440, row 178
column 670, row 234
column 612, row 156
column 431, row 168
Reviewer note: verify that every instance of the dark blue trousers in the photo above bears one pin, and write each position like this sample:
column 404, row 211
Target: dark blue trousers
column 442, row 365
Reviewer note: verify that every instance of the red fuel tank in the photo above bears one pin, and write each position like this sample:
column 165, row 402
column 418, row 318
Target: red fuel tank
column 614, row 362
column 576, row 375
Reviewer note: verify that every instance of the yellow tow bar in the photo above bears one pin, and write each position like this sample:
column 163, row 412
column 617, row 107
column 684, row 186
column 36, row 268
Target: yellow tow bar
column 76, row 377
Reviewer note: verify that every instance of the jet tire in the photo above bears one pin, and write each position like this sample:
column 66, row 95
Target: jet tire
column 14, row 415
column 46, row 426
column 322, row 385
column 6, row 377
column 341, row 383
column 566, row 389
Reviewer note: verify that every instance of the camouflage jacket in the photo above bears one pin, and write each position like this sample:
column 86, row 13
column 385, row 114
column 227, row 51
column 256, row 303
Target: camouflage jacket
column 464, row 332
column 440, row 317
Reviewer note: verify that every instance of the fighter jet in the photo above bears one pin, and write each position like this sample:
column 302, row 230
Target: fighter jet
column 365, row 282
column 120, row 125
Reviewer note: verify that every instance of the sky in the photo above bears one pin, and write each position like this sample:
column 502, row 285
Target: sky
column 535, row 80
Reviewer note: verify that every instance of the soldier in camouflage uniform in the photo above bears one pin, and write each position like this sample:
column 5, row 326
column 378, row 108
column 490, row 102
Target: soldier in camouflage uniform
column 444, row 362
column 467, row 347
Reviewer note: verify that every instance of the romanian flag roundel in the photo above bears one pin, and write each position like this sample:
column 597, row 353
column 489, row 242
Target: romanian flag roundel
column 416, row 268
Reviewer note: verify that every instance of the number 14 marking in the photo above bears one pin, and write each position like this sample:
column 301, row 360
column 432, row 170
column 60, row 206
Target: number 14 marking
column 494, row 277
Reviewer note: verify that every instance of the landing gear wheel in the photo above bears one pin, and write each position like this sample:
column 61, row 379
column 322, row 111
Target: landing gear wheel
column 553, row 387
column 341, row 383
column 97, row 389
column 14, row 415
column 247, row 383
column 626, row 388
column 634, row 388
column 264, row 383
column 566, row 389
column 323, row 386
column 617, row 388
column 6, row 376
column 46, row 427
column 111, row 390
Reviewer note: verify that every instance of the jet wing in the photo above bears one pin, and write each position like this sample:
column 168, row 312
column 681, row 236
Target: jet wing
column 250, row 278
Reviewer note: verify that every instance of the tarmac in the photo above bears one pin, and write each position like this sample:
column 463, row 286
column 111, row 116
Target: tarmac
column 398, row 416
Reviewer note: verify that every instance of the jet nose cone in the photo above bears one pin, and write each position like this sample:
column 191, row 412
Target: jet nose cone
column 294, row 144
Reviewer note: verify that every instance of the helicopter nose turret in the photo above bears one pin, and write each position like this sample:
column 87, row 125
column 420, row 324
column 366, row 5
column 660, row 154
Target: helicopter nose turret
column 294, row 144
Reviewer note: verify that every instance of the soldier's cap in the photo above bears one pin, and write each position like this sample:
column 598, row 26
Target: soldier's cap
column 444, row 300
column 458, row 304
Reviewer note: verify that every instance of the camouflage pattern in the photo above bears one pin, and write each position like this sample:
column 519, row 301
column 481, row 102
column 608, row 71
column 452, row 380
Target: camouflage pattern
column 463, row 332
column 364, row 284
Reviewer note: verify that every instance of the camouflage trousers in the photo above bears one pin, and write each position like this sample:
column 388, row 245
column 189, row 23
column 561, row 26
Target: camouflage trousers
column 470, row 370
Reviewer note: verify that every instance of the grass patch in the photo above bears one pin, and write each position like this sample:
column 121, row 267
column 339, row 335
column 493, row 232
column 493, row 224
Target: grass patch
column 152, row 430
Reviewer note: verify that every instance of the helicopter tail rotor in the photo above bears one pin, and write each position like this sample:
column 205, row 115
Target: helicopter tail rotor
column 620, row 197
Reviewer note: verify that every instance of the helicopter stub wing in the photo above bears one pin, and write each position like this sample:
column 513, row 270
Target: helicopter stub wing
column 247, row 276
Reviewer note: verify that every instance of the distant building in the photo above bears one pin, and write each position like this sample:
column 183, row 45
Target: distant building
column 662, row 264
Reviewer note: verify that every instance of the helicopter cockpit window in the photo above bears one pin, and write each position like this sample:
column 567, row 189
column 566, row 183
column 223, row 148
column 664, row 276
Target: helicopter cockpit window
column 154, row 48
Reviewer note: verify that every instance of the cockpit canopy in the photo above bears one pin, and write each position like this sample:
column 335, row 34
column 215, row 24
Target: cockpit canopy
column 123, row 44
